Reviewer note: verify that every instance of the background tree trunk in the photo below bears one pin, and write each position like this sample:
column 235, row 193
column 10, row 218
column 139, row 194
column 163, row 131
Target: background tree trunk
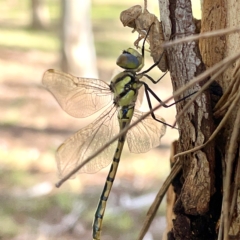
column 200, row 186
column 78, row 52
column 40, row 14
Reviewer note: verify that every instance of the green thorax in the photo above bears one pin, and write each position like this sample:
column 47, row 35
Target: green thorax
column 125, row 87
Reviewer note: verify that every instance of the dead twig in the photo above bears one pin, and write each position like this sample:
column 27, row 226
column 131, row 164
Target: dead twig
column 157, row 201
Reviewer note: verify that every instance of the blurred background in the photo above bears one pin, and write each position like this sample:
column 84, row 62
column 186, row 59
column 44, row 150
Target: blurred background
column 35, row 36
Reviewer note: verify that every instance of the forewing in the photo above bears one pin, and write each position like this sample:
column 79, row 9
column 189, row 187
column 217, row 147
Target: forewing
column 146, row 134
column 87, row 141
column 79, row 97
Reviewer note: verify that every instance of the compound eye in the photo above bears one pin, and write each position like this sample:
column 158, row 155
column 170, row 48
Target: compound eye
column 128, row 61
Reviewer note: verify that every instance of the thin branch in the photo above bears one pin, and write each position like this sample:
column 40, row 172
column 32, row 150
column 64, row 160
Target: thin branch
column 208, row 83
column 216, row 131
column 202, row 35
column 230, row 160
column 157, row 201
column 176, row 94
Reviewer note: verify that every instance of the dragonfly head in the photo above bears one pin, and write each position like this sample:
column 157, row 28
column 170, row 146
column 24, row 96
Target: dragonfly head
column 131, row 59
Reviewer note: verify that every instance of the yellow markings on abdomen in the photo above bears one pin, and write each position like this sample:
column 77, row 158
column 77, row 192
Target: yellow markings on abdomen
column 98, row 219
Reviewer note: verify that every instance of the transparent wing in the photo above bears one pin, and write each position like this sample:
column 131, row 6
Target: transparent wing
column 87, row 141
column 146, row 134
column 140, row 97
column 79, row 97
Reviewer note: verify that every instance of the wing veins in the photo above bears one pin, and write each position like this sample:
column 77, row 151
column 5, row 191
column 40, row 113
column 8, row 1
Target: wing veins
column 102, row 117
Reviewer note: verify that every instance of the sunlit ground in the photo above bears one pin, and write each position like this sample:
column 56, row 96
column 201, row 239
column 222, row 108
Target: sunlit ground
column 33, row 126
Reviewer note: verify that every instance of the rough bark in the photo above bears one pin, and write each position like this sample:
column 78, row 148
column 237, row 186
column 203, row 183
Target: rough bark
column 207, row 191
column 216, row 15
column 196, row 188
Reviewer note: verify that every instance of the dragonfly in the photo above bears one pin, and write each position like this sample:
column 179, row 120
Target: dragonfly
column 82, row 97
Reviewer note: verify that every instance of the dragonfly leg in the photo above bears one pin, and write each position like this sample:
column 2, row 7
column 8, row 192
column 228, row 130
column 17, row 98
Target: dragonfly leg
column 155, row 81
column 143, row 47
column 154, row 65
column 149, row 90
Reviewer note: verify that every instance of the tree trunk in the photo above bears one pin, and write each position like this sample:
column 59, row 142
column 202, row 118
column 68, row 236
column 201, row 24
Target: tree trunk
column 202, row 189
column 40, row 14
column 78, row 52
